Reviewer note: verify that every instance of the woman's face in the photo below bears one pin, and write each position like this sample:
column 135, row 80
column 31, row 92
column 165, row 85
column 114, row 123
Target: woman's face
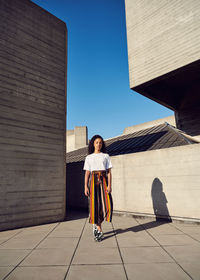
column 97, row 144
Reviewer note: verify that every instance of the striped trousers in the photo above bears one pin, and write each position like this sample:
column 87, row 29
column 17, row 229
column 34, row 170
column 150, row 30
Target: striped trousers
column 100, row 202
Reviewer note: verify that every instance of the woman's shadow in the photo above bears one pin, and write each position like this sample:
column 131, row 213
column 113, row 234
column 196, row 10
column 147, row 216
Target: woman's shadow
column 159, row 201
column 160, row 208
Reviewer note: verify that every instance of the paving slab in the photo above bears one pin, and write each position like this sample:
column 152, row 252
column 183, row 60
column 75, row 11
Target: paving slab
column 59, row 242
column 87, row 241
column 162, row 229
column 66, row 232
column 105, row 225
column 195, row 236
column 9, row 233
column 41, row 228
column 145, row 255
column 48, row 257
column 38, row 273
column 99, row 255
column 189, row 229
column 88, row 231
column 124, row 222
column 72, row 223
column 20, row 243
column 69, row 226
column 31, row 234
column 9, row 257
column 192, row 268
column 5, row 271
column 97, row 272
column 152, row 271
column 184, row 253
column 138, row 229
column 175, row 239
column 134, row 240
column 2, row 240
column 167, row 250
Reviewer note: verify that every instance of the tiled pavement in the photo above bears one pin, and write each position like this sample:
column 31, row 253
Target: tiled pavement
column 132, row 249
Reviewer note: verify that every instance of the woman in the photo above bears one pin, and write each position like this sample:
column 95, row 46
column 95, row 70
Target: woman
column 98, row 173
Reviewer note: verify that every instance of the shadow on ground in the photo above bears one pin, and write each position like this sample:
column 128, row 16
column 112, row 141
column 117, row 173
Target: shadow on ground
column 75, row 214
column 137, row 228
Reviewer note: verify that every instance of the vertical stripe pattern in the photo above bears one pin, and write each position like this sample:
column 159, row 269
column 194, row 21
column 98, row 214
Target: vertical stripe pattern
column 100, row 202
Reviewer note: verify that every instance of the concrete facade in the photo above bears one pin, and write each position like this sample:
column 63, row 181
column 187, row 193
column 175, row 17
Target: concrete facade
column 32, row 115
column 168, row 178
column 76, row 138
column 164, row 56
column 162, row 36
column 130, row 129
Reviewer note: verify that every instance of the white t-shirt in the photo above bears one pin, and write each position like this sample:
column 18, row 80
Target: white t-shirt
column 95, row 162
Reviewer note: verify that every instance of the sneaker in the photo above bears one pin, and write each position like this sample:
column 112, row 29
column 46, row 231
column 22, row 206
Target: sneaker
column 99, row 236
column 95, row 230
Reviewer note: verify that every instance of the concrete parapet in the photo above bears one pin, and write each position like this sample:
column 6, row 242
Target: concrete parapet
column 162, row 183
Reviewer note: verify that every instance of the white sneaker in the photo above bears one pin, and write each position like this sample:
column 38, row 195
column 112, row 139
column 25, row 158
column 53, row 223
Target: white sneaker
column 95, row 230
column 99, row 236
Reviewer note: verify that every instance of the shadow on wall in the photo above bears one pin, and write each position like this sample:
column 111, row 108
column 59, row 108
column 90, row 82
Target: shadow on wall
column 161, row 212
column 159, row 201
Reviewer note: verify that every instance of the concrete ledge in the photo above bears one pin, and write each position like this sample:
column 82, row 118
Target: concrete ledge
column 161, row 218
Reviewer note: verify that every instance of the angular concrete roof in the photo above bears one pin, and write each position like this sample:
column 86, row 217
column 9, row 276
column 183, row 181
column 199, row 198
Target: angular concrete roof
column 154, row 138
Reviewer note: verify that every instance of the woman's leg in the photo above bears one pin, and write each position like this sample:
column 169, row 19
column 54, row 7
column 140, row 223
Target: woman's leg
column 99, row 227
column 99, row 236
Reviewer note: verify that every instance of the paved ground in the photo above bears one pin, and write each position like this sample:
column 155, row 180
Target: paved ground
column 132, row 249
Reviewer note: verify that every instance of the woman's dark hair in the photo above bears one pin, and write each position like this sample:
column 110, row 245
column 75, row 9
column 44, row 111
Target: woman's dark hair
column 91, row 144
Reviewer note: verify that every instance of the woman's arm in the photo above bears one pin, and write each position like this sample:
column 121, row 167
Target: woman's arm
column 87, row 174
column 109, row 189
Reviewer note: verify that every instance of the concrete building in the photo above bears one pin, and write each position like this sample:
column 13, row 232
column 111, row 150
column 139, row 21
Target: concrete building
column 33, row 45
column 76, row 138
column 164, row 56
column 164, row 63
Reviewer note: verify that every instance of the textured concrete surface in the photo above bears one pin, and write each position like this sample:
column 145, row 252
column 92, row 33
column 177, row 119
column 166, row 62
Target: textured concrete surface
column 162, row 36
column 33, row 75
column 131, row 249
column 76, row 138
column 162, row 182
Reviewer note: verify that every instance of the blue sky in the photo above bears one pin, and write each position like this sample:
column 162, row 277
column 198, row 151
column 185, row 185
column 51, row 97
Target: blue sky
column 98, row 93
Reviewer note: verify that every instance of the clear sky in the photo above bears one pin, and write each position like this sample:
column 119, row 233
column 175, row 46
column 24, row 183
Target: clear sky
column 98, row 93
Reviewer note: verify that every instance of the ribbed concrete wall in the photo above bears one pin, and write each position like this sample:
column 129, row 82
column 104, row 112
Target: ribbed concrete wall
column 162, row 36
column 168, row 178
column 32, row 115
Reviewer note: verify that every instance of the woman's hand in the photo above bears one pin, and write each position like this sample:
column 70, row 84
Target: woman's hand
column 87, row 192
column 109, row 190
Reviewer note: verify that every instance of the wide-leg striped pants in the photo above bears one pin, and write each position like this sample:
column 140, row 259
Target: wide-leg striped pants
column 100, row 202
